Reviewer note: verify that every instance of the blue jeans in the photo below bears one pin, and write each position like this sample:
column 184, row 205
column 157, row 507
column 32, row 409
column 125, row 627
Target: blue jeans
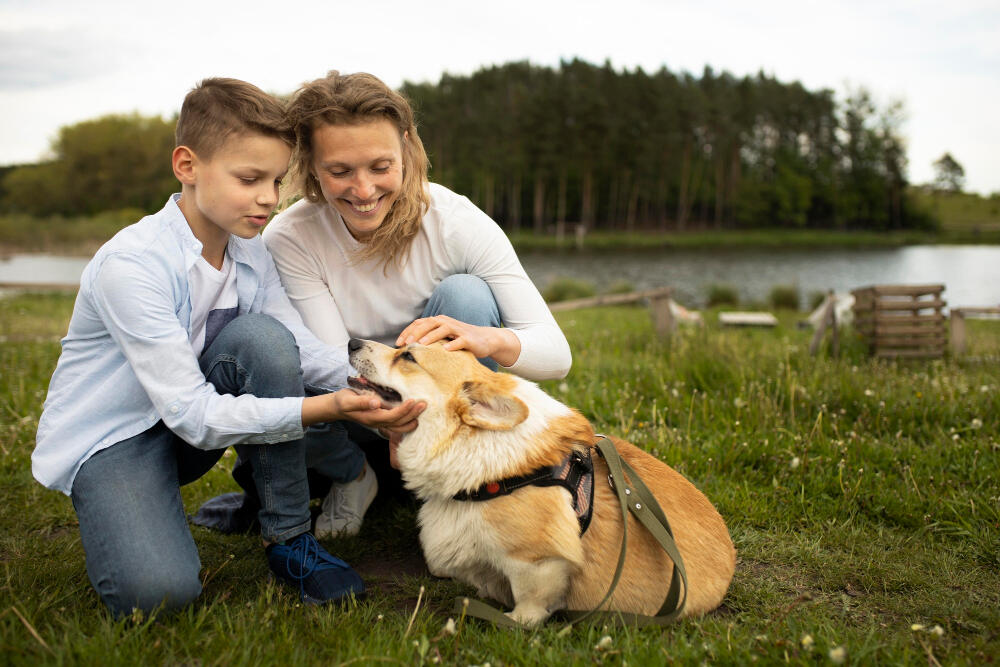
column 330, row 450
column 140, row 551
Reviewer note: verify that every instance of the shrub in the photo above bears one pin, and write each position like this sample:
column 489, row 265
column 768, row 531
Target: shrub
column 723, row 295
column 816, row 298
column 784, row 296
column 564, row 289
column 620, row 287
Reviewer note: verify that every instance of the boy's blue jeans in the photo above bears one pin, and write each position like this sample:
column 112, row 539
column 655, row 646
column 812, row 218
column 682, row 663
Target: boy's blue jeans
column 462, row 296
column 140, row 551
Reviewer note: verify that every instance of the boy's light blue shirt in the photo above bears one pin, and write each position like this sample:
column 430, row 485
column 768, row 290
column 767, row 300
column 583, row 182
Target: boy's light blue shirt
column 127, row 360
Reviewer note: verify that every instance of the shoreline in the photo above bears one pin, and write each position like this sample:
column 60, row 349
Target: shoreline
column 652, row 241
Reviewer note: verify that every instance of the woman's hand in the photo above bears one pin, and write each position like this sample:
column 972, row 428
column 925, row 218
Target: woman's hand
column 500, row 344
column 394, row 440
column 364, row 408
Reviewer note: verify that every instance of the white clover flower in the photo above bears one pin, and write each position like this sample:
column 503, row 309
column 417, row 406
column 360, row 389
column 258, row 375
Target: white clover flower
column 563, row 387
column 603, row 644
column 449, row 627
column 793, row 464
column 807, row 642
column 869, row 392
column 984, row 389
column 739, row 402
column 977, row 423
column 838, row 655
column 937, row 631
column 955, row 437
column 917, row 627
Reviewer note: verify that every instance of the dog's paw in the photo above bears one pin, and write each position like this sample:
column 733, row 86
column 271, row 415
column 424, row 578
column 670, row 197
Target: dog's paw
column 528, row 615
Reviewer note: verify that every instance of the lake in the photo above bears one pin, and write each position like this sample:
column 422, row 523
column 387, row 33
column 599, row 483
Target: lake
column 971, row 274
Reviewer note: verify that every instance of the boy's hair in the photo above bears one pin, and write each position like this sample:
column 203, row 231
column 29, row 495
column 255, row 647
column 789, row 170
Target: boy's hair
column 217, row 108
column 351, row 99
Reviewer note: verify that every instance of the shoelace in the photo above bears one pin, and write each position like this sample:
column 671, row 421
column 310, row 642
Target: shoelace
column 304, row 553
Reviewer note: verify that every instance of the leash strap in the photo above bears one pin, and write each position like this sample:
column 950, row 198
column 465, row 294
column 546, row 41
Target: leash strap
column 639, row 500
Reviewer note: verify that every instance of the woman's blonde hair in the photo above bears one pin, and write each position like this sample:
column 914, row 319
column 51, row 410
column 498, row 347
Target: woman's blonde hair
column 347, row 99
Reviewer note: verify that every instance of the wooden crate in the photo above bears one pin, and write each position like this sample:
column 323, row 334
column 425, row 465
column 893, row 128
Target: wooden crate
column 900, row 321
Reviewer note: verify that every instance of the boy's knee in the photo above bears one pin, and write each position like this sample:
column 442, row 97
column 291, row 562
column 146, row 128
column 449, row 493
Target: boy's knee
column 166, row 589
column 264, row 334
column 263, row 348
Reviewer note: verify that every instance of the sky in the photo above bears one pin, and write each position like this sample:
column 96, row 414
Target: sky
column 65, row 61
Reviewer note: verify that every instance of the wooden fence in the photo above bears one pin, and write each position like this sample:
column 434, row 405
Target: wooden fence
column 901, row 320
column 658, row 299
column 957, row 316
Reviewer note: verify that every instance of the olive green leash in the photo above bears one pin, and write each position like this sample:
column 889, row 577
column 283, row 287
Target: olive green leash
column 635, row 497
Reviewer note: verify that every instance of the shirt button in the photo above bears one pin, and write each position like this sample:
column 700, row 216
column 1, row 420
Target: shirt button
column 173, row 409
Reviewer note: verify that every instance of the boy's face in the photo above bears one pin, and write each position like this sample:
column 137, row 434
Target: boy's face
column 237, row 188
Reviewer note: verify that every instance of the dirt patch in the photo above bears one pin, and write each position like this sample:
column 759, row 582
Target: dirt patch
column 383, row 565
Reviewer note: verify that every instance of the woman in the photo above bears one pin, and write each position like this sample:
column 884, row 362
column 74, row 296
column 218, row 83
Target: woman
column 373, row 250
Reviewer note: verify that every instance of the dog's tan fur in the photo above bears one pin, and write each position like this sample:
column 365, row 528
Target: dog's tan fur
column 525, row 549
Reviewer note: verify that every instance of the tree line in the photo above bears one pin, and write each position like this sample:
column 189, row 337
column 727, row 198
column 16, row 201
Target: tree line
column 542, row 148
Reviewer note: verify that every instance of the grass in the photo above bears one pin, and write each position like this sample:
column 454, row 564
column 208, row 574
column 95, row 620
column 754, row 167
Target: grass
column 81, row 235
column 962, row 211
column 862, row 495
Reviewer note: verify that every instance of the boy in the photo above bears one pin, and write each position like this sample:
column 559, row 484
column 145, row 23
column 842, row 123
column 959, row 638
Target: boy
column 182, row 343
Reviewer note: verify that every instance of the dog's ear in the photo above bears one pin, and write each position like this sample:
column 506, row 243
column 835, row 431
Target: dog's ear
column 483, row 405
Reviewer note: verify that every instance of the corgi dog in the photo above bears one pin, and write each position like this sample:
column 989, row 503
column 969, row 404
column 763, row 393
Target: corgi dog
column 524, row 548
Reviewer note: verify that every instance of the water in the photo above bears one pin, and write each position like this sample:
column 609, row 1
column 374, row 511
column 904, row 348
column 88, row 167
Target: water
column 971, row 274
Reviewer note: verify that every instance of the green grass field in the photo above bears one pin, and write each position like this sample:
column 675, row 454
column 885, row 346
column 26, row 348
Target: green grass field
column 962, row 211
column 863, row 497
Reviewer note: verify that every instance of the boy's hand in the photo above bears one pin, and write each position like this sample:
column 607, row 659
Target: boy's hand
column 365, row 409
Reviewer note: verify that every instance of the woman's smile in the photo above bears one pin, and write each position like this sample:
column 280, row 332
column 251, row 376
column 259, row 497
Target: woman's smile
column 360, row 172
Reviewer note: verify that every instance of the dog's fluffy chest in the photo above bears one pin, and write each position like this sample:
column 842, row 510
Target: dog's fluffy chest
column 456, row 537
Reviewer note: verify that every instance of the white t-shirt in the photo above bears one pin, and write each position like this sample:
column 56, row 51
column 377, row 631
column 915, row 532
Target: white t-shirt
column 214, row 301
column 340, row 299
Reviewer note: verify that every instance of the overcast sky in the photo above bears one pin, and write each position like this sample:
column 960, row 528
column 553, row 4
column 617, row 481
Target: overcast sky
column 63, row 61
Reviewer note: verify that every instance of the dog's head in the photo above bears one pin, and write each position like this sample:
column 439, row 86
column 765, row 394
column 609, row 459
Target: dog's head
column 454, row 385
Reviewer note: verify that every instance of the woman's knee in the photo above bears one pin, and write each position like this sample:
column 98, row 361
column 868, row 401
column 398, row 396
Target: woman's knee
column 464, row 297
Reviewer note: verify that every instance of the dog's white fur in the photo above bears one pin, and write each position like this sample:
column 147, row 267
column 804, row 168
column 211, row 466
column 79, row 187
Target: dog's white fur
column 525, row 549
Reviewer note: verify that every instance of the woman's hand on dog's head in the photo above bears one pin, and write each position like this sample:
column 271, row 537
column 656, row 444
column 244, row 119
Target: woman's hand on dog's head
column 502, row 345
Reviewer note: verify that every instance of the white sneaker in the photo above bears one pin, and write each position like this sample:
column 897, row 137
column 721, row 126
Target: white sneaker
column 344, row 507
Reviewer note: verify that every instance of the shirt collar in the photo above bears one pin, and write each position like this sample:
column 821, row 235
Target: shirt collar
column 190, row 243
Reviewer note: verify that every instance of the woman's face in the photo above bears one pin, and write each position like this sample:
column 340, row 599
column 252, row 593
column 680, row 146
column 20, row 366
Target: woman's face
column 360, row 171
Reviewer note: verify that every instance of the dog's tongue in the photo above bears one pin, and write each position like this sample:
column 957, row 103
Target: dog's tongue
column 359, row 383
column 363, row 384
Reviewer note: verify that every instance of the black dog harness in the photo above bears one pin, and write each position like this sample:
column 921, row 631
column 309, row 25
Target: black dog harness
column 575, row 474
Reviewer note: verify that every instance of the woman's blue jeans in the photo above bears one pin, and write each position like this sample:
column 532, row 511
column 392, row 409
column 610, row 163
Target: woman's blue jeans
column 467, row 298
column 140, row 552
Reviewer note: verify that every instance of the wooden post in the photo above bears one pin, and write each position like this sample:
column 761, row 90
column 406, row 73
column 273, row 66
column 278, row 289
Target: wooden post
column 835, row 334
column 824, row 322
column 957, row 332
column 663, row 317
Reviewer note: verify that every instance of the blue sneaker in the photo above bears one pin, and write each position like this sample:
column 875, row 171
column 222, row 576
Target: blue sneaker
column 320, row 577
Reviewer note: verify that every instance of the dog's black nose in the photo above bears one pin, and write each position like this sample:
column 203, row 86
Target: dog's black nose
column 355, row 344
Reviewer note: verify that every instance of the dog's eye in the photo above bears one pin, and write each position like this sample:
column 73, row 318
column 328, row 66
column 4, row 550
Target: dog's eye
column 408, row 356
